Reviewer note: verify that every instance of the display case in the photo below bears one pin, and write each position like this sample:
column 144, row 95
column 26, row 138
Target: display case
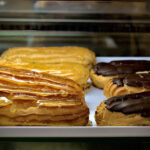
column 112, row 28
column 109, row 28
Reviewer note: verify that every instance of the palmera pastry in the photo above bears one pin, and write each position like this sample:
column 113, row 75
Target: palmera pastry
column 29, row 98
column 127, row 84
column 51, row 55
column 125, row 110
column 76, row 72
column 103, row 72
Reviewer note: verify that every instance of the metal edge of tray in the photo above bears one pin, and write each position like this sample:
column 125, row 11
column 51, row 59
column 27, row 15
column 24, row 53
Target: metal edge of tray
column 86, row 132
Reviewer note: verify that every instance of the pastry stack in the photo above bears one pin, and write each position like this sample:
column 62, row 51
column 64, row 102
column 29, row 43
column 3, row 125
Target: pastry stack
column 69, row 62
column 127, row 85
column 44, row 86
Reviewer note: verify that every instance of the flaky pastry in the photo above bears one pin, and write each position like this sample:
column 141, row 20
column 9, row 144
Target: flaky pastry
column 75, row 72
column 51, row 55
column 29, row 98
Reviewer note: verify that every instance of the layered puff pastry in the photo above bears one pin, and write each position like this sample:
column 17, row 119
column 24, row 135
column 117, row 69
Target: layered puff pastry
column 125, row 110
column 29, row 98
column 51, row 55
column 103, row 72
column 127, row 84
column 75, row 72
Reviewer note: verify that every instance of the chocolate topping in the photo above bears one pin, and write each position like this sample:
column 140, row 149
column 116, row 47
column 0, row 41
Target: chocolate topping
column 136, row 80
column 129, row 104
column 121, row 67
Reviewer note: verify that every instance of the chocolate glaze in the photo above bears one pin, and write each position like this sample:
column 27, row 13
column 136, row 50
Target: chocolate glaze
column 121, row 67
column 129, row 104
column 136, row 80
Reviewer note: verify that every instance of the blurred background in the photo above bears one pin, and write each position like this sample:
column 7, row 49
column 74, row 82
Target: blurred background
column 110, row 28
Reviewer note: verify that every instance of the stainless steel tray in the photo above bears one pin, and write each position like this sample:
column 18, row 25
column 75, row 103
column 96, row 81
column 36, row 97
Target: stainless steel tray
column 93, row 99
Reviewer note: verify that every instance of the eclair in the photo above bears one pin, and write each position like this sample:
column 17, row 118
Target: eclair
column 127, row 84
column 103, row 72
column 125, row 110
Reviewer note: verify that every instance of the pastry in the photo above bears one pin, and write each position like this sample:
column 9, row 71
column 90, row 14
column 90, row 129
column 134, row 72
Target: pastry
column 29, row 98
column 127, row 84
column 73, row 71
column 103, row 72
column 99, row 81
column 125, row 110
column 51, row 55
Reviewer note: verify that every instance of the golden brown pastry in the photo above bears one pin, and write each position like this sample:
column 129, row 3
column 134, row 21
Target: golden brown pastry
column 103, row 72
column 51, row 55
column 98, row 80
column 127, row 84
column 29, row 98
column 125, row 110
column 73, row 71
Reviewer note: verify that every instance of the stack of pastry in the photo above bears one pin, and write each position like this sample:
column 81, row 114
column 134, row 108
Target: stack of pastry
column 44, row 86
column 117, row 78
column 71, row 62
column 32, row 98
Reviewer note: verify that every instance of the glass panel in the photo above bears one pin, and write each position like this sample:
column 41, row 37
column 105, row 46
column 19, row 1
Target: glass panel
column 73, row 11
column 42, row 6
column 104, row 44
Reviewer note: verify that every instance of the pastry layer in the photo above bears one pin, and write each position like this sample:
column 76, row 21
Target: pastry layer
column 73, row 71
column 51, row 55
column 127, row 84
column 98, row 80
column 32, row 98
column 126, row 110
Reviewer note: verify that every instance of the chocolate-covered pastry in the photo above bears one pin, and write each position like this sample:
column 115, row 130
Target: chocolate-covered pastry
column 128, row 104
column 136, row 80
column 121, row 67
column 127, row 84
column 103, row 72
column 125, row 110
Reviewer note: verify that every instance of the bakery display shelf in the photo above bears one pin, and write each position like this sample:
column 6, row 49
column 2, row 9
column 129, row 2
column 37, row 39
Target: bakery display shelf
column 93, row 98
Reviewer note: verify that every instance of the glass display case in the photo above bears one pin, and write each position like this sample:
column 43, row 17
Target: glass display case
column 112, row 28
column 109, row 28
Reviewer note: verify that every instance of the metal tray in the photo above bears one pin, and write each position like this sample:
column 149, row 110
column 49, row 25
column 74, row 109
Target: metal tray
column 93, row 98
